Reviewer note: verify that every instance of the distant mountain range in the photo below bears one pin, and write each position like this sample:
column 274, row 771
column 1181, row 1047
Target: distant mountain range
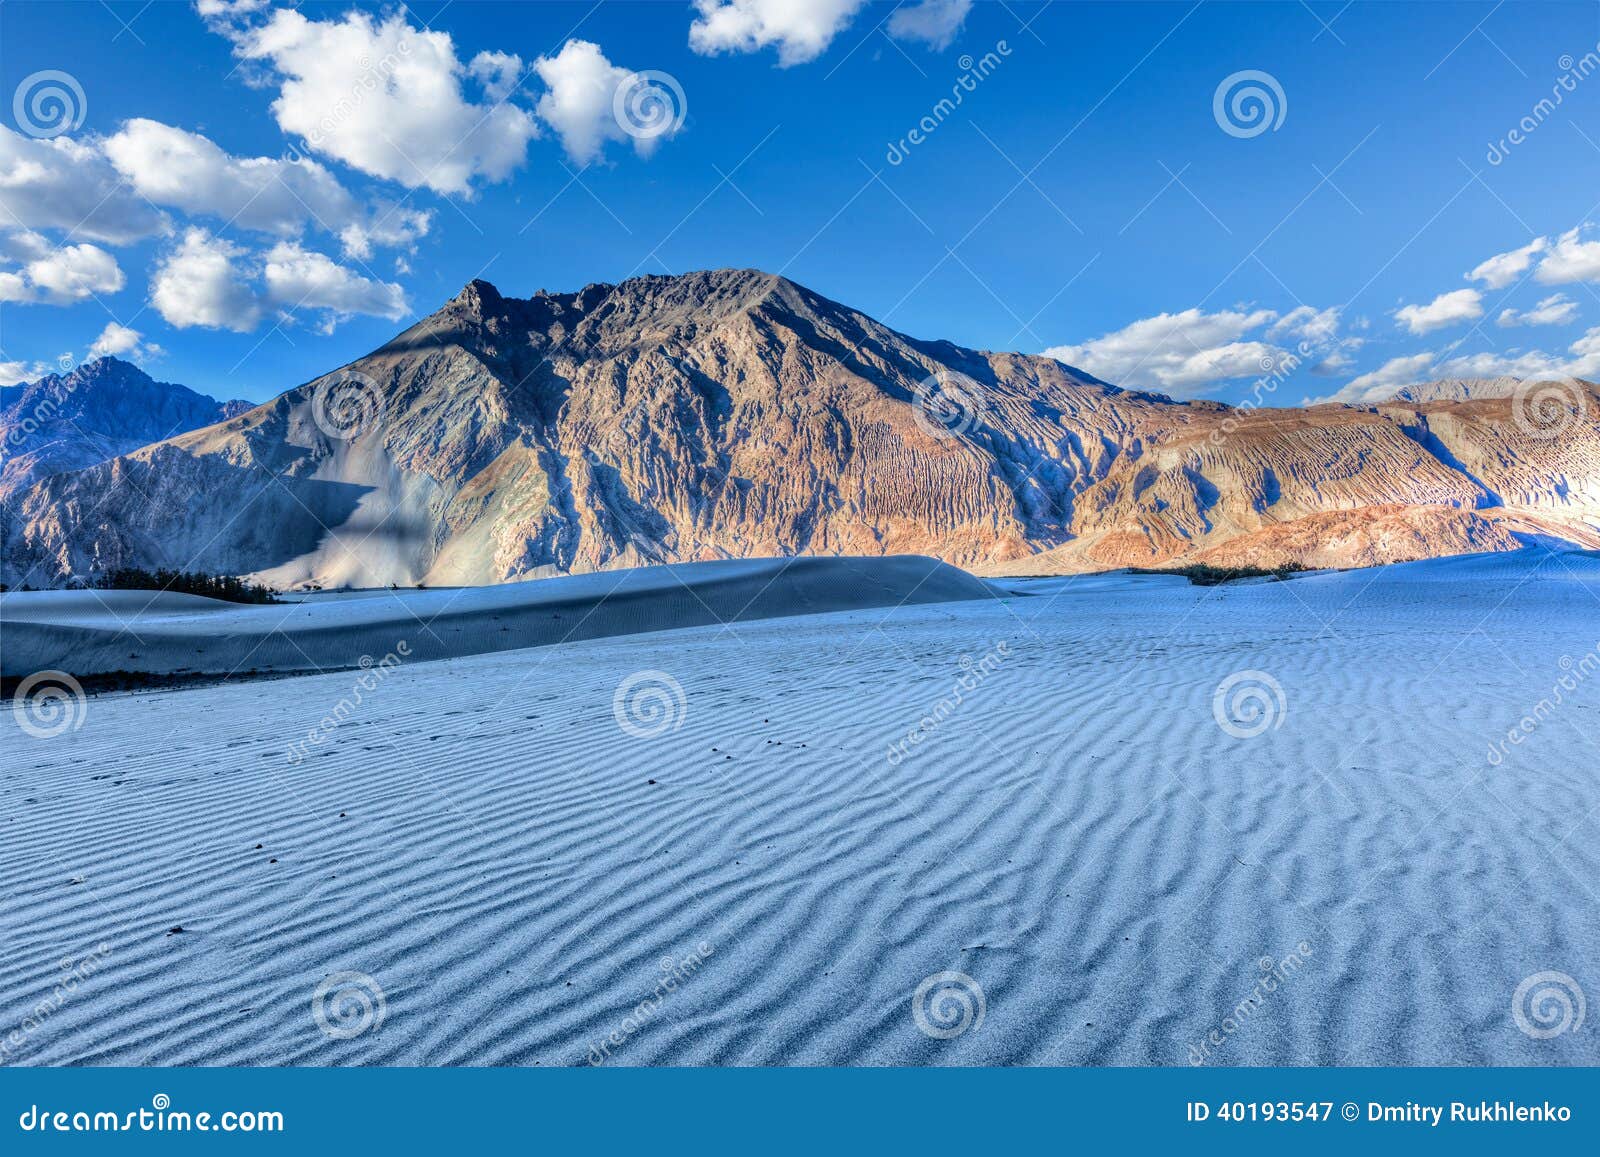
column 94, row 412
column 735, row 413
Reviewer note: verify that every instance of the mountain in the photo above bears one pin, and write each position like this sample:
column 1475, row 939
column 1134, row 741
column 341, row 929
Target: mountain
column 97, row 411
column 734, row 413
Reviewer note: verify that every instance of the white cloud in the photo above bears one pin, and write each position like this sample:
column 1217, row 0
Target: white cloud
column 183, row 170
column 299, row 279
column 68, row 185
column 581, row 102
column 207, row 281
column 200, row 283
column 227, row 9
column 1382, row 382
column 53, row 275
column 388, row 99
column 934, row 22
column 1504, row 268
column 1570, row 260
column 13, row 372
column 1178, row 351
column 801, row 29
column 1307, row 324
column 1558, row 309
column 1446, row 309
column 1510, row 364
column 119, row 341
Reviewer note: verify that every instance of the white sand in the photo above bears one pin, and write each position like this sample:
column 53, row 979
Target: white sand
column 90, row 633
column 1079, row 835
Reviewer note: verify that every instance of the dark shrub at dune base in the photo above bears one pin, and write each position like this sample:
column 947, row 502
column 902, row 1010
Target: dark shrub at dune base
column 212, row 586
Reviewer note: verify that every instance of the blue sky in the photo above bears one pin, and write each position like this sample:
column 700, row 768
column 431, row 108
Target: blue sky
column 1083, row 197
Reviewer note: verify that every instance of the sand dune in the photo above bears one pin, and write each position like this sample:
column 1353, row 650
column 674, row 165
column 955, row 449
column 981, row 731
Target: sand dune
column 91, row 633
column 1106, row 850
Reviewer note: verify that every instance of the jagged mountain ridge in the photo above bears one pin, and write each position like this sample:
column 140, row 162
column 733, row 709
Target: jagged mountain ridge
column 93, row 412
column 734, row 413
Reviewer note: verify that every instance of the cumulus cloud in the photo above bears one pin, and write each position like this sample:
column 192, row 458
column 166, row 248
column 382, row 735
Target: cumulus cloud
column 69, row 185
column 1558, row 309
column 580, row 104
column 210, row 282
column 1381, row 383
column 935, row 22
column 119, row 341
column 800, row 29
column 201, row 284
column 298, row 279
column 391, row 100
column 186, row 171
column 1504, row 268
column 1308, row 324
column 1447, row 309
column 1179, row 352
column 55, row 275
column 1570, row 259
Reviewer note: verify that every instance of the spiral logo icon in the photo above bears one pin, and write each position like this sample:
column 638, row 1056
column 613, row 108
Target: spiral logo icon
column 1548, row 1004
column 49, row 703
column 1248, row 103
column 947, row 404
column 347, row 1004
column 947, row 1004
column 49, row 103
column 347, row 405
column 160, row 1101
column 649, row 104
column 1546, row 410
column 1248, row 703
column 650, row 703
